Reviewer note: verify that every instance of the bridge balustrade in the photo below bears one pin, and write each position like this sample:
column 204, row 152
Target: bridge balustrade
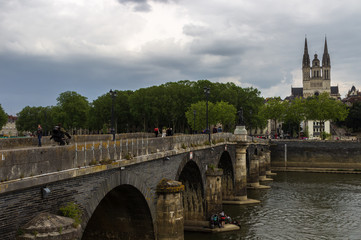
column 29, row 162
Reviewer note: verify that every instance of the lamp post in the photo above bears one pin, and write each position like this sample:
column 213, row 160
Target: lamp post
column 194, row 121
column 45, row 122
column 207, row 91
column 112, row 94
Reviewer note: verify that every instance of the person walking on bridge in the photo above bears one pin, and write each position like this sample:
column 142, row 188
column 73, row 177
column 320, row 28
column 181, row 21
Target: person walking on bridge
column 39, row 133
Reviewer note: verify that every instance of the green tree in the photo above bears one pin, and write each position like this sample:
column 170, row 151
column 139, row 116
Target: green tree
column 28, row 119
column 324, row 108
column 221, row 112
column 3, row 117
column 353, row 119
column 225, row 114
column 74, row 108
column 274, row 109
column 294, row 114
column 200, row 116
column 251, row 102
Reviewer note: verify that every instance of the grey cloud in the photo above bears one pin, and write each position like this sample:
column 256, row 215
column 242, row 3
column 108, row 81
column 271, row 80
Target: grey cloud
column 195, row 30
column 218, row 47
column 141, row 5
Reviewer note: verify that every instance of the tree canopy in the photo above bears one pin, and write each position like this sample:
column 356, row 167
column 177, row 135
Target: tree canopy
column 323, row 108
column 74, row 108
column 3, row 117
column 143, row 109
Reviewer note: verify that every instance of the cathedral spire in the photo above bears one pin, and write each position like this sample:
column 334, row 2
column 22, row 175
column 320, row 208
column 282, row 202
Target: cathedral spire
column 306, row 57
column 326, row 57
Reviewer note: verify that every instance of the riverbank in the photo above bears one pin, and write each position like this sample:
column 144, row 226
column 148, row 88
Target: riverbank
column 316, row 170
column 317, row 156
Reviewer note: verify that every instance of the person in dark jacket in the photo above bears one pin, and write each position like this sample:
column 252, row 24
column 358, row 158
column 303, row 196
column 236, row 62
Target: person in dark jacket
column 39, row 133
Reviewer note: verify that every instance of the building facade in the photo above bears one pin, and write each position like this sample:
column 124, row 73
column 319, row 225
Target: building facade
column 9, row 130
column 316, row 77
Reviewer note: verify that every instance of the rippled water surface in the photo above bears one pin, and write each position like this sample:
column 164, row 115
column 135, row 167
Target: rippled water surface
column 299, row 206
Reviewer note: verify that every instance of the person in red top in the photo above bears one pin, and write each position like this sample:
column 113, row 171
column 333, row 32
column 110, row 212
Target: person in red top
column 156, row 131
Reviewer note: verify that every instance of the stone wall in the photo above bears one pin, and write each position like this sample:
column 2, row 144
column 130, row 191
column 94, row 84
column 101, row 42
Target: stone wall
column 316, row 154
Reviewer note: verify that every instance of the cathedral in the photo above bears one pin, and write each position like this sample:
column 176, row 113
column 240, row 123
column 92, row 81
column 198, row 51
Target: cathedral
column 316, row 78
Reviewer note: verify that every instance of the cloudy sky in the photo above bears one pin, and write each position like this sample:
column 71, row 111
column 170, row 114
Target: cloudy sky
column 92, row 46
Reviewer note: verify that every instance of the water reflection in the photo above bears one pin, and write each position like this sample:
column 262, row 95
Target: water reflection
column 299, row 206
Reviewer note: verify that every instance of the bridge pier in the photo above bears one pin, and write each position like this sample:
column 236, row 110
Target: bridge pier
column 170, row 221
column 267, row 153
column 240, row 170
column 254, row 172
column 213, row 191
column 263, row 168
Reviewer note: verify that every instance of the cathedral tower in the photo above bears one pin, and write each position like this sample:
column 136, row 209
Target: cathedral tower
column 317, row 78
column 306, row 63
column 326, row 63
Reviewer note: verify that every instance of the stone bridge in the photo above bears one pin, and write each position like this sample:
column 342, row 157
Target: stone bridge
column 132, row 188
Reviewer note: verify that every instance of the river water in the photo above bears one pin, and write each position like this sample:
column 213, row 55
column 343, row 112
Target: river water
column 299, row 206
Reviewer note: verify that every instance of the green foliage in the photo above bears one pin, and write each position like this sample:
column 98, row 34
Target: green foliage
column 3, row 117
column 353, row 119
column 211, row 167
column 72, row 210
column 274, row 109
column 324, row 108
column 146, row 108
column 221, row 112
column 20, row 232
column 325, row 135
column 74, row 108
column 293, row 116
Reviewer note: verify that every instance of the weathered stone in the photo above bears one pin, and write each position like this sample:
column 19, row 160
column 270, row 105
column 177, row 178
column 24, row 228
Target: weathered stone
column 213, row 191
column 170, row 221
column 48, row 226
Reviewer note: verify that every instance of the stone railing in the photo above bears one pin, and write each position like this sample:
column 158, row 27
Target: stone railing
column 11, row 143
column 28, row 162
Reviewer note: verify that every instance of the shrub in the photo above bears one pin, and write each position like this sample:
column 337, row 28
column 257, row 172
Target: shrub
column 73, row 211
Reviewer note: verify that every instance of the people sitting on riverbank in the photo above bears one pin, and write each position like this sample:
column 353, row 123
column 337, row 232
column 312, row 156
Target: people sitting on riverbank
column 220, row 220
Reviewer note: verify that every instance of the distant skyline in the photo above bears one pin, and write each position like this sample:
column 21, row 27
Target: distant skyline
column 49, row 47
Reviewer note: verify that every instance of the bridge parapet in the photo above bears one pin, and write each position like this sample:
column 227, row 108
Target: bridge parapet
column 21, row 142
column 26, row 163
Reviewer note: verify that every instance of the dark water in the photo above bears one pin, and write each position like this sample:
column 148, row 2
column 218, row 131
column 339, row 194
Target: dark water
column 299, row 206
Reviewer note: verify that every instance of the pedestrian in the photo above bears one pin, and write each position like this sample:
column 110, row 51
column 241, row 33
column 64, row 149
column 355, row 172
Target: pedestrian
column 164, row 132
column 219, row 129
column 222, row 218
column 214, row 129
column 156, row 131
column 39, row 132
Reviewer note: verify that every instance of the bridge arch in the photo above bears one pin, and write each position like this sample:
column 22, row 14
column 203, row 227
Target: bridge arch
column 225, row 163
column 190, row 175
column 120, row 213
